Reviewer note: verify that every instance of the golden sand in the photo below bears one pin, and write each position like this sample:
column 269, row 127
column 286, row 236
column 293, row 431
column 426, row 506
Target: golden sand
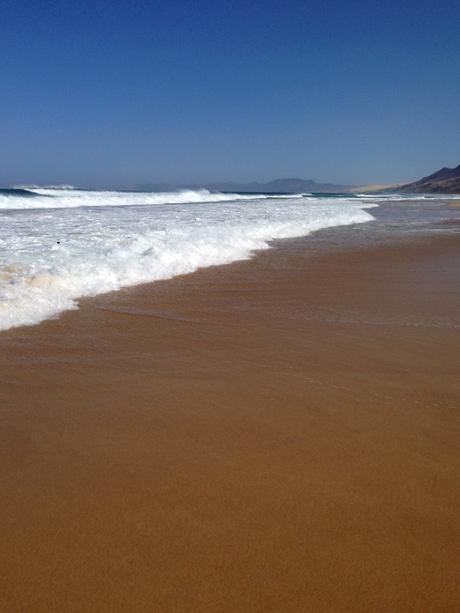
column 278, row 435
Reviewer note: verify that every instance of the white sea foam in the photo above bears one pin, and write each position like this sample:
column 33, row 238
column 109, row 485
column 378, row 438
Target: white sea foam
column 104, row 249
column 45, row 186
column 401, row 196
column 62, row 198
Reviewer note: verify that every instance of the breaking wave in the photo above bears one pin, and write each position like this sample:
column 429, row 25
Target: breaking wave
column 95, row 242
column 32, row 197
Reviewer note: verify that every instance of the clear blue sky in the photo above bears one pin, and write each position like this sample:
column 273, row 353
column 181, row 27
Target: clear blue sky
column 117, row 92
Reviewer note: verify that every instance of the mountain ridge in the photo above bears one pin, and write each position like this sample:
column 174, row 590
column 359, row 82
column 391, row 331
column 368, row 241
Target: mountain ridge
column 443, row 181
column 277, row 186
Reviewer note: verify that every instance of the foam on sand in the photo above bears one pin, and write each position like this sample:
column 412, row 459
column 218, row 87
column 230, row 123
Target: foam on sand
column 51, row 257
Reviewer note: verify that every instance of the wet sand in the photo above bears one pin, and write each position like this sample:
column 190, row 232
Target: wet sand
column 278, row 435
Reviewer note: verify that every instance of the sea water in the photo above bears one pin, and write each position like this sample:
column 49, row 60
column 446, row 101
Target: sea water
column 60, row 244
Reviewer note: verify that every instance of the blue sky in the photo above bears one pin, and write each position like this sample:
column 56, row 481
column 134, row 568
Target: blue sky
column 120, row 93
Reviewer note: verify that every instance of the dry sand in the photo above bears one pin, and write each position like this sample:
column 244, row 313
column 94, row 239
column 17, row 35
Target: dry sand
column 278, row 435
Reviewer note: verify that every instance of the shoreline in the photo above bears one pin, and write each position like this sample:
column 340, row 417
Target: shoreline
column 441, row 220
column 279, row 433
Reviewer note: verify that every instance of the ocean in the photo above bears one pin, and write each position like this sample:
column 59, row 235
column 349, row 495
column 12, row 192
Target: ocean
column 59, row 244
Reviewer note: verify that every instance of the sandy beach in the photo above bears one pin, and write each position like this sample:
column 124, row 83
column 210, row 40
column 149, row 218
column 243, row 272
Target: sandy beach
column 275, row 435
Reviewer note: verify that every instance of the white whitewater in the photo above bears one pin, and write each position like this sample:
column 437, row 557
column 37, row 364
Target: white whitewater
column 62, row 198
column 51, row 256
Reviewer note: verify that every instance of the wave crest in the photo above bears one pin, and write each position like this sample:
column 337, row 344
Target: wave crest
column 63, row 198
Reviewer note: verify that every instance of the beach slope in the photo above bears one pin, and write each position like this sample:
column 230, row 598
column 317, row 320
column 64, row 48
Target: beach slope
column 279, row 434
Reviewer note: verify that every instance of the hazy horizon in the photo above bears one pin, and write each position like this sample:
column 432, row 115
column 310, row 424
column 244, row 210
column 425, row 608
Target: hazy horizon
column 194, row 93
column 159, row 185
column 164, row 184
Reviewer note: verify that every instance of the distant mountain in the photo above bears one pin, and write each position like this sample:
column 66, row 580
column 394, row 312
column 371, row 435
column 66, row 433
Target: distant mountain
column 444, row 181
column 283, row 186
column 278, row 186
